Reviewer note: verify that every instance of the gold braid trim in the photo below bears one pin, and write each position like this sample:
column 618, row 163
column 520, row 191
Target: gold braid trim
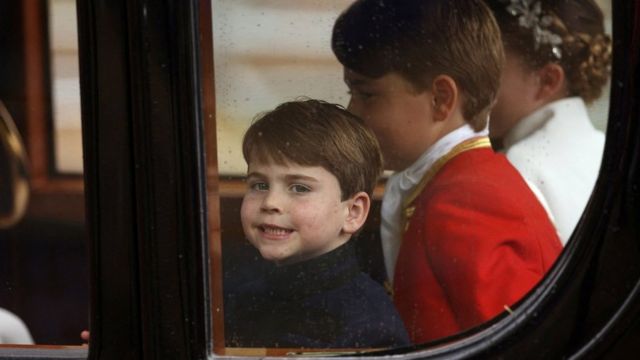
column 474, row 143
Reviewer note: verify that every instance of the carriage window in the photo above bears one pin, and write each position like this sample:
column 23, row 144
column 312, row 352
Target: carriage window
column 43, row 259
column 266, row 53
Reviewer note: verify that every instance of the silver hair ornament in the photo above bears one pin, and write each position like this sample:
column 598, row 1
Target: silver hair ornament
column 530, row 16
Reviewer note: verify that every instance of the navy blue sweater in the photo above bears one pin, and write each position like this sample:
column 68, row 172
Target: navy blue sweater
column 325, row 302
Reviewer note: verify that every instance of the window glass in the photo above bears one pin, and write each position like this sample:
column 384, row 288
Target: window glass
column 270, row 52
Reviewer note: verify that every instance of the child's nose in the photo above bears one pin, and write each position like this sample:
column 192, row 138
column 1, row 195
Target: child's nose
column 272, row 202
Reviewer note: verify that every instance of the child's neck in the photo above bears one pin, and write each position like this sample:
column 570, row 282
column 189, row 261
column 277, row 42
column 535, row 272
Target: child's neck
column 451, row 124
column 299, row 259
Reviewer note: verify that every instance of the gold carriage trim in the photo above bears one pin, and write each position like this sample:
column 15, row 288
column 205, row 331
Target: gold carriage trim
column 474, row 143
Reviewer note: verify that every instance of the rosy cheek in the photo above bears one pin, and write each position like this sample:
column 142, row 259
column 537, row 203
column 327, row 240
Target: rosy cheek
column 246, row 210
column 307, row 217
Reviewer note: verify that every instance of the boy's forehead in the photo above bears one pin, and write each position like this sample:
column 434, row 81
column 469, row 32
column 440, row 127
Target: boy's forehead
column 265, row 160
column 353, row 78
column 288, row 168
column 389, row 81
column 259, row 159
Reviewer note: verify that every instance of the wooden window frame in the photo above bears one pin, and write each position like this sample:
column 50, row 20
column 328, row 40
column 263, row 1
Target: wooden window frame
column 48, row 186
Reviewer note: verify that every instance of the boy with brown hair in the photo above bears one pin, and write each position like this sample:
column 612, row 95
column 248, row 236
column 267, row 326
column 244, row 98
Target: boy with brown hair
column 312, row 167
column 463, row 235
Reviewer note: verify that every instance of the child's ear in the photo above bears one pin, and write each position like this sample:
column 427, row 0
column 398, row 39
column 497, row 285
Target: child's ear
column 445, row 97
column 552, row 82
column 357, row 209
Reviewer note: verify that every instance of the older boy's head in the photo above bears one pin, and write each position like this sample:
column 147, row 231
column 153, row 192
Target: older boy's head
column 316, row 133
column 422, row 39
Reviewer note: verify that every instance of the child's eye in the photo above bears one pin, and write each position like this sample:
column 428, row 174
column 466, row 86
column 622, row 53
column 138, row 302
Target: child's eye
column 259, row 186
column 298, row 188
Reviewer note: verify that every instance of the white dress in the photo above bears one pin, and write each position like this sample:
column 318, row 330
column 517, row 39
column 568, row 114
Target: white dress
column 557, row 149
column 12, row 329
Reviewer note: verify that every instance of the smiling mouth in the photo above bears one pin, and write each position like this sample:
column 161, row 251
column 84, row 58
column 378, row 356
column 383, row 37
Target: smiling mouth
column 274, row 230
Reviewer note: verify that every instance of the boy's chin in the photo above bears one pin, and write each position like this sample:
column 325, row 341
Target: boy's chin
column 277, row 257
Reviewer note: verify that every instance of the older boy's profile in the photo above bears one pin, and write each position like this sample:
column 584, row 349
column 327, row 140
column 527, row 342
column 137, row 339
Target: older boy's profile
column 463, row 234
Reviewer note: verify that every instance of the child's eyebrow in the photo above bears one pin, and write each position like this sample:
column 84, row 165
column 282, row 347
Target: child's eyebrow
column 287, row 177
column 293, row 177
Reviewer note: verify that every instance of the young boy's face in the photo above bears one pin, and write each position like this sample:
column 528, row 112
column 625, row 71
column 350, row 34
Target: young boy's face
column 400, row 116
column 293, row 213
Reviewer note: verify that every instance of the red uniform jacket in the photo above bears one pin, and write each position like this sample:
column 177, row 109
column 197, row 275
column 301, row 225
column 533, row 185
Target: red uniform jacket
column 477, row 241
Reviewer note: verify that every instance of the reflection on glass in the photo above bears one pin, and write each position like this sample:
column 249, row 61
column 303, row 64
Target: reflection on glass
column 14, row 192
column 14, row 196
column 43, row 258
column 269, row 52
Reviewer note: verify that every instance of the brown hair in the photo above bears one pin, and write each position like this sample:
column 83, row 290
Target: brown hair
column 584, row 51
column 316, row 133
column 421, row 39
